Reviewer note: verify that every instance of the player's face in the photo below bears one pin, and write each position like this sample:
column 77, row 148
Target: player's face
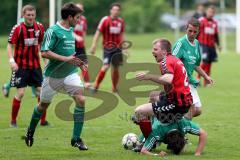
column 158, row 53
column 192, row 32
column 210, row 13
column 115, row 11
column 73, row 20
column 29, row 17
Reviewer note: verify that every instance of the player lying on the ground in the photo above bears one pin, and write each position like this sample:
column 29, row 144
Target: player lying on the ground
column 172, row 134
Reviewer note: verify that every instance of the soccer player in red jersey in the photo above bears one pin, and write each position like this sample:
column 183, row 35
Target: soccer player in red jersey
column 177, row 99
column 25, row 38
column 208, row 38
column 112, row 29
column 80, row 31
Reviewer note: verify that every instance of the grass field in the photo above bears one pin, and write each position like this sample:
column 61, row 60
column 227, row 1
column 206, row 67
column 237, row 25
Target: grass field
column 220, row 118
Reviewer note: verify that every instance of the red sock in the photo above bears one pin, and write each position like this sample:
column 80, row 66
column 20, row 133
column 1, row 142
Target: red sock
column 15, row 108
column 146, row 127
column 85, row 76
column 207, row 70
column 100, row 77
column 43, row 118
column 115, row 78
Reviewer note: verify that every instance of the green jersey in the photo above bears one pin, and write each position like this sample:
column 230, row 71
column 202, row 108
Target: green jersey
column 60, row 41
column 159, row 130
column 190, row 56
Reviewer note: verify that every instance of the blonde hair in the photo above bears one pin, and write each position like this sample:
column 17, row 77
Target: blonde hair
column 28, row 7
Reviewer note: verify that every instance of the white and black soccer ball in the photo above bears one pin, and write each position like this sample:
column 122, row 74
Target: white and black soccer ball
column 130, row 141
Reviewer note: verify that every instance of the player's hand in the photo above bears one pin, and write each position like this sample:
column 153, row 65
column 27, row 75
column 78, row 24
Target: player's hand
column 74, row 61
column 93, row 49
column 141, row 76
column 209, row 80
column 14, row 66
column 78, row 38
column 162, row 154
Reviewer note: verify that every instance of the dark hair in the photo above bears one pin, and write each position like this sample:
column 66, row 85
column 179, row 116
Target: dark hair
column 194, row 22
column 115, row 4
column 164, row 44
column 175, row 141
column 69, row 9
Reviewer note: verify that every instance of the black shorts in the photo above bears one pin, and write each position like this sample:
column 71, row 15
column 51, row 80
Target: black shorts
column 209, row 54
column 81, row 53
column 26, row 77
column 167, row 112
column 113, row 56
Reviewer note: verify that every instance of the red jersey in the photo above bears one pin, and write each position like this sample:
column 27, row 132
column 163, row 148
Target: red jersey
column 112, row 30
column 178, row 92
column 81, row 29
column 208, row 32
column 27, row 40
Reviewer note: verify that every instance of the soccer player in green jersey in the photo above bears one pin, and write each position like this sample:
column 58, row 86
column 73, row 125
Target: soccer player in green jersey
column 61, row 73
column 173, row 135
column 188, row 50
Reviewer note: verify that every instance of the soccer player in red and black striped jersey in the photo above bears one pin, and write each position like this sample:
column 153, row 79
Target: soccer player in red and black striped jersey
column 208, row 39
column 177, row 99
column 25, row 39
column 80, row 31
column 112, row 29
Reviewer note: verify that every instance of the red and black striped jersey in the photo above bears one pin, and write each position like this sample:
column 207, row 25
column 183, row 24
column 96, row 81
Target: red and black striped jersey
column 80, row 30
column 178, row 92
column 112, row 30
column 26, row 40
column 208, row 32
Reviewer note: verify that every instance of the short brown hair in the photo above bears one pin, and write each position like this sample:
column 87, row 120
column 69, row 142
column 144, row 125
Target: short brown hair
column 28, row 7
column 194, row 22
column 69, row 9
column 164, row 44
column 116, row 4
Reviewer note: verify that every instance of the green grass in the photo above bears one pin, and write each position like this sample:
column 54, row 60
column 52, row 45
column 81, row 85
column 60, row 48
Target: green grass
column 103, row 135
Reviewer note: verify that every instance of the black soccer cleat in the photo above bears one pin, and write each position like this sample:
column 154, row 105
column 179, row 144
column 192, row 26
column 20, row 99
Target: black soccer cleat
column 138, row 148
column 79, row 144
column 29, row 138
column 135, row 119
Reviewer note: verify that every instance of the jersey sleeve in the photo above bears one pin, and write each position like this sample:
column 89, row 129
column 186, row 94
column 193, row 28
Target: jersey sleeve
column 123, row 26
column 191, row 128
column 14, row 34
column 85, row 26
column 101, row 24
column 150, row 141
column 49, row 40
column 178, row 49
column 170, row 66
column 198, row 62
column 42, row 33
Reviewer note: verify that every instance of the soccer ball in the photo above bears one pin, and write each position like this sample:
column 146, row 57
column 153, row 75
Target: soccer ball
column 130, row 141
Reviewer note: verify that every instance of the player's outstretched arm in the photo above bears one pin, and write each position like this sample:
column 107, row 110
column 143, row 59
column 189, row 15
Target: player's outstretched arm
column 200, row 71
column 94, row 43
column 164, row 79
column 144, row 151
column 201, row 142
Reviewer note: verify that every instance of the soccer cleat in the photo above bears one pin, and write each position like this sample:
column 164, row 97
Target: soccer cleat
column 79, row 144
column 5, row 90
column 13, row 125
column 115, row 90
column 134, row 119
column 93, row 90
column 29, row 137
column 46, row 123
column 138, row 148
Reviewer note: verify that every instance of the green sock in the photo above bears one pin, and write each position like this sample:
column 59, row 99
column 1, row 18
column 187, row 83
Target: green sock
column 7, row 85
column 35, row 119
column 78, row 117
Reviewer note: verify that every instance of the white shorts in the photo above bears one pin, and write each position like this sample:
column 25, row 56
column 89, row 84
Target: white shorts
column 51, row 86
column 196, row 99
